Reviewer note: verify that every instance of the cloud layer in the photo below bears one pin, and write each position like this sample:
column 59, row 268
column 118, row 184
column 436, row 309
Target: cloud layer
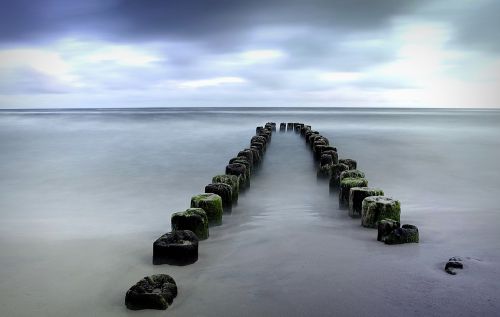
column 128, row 53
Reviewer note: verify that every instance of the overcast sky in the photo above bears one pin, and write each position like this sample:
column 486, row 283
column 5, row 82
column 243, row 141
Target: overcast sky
column 162, row 53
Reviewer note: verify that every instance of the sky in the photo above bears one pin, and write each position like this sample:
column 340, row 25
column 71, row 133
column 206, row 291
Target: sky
column 229, row 53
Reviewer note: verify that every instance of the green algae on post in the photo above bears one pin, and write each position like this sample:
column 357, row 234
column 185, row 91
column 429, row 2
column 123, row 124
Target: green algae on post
column 179, row 247
column 349, row 162
column 376, row 208
column 336, row 170
column 405, row 234
column 231, row 180
column 211, row 204
column 345, row 187
column 356, row 197
column 152, row 292
column 193, row 219
column 351, row 174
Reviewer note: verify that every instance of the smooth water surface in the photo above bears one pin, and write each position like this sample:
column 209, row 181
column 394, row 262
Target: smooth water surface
column 84, row 193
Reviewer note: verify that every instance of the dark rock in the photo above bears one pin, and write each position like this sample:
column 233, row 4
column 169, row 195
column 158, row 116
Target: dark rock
column 259, row 130
column 289, row 126
column 385, row 227
column 376, row 208
column 211, row 204
column 345, row 187
column 356, row 197
column 152, row 292
column 405, row 234
column 349, row 162
column 282, row 127
column 452, row 264
column 224, row 191
column 193, row 219
column 179, row 247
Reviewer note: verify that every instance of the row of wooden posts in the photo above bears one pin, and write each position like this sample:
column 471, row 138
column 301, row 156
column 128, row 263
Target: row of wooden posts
column 180, row 246
column 368, row 203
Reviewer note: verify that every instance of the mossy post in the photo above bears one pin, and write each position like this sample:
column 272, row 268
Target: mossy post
column 249, row 155
column 193, row 219
column 356, row 197
column 326, row 159
column 238, row 170
column 376, row 208
column 289, row 126
column 336, row 169
column 179, row 247
column 351, row 174
column 405, row 234
column 231, row 180
column 333, row 155
column 385, row 227
column 224, row 191
column 211, row 204
column 243, row 160
column 345, row 187
column 349, row 162
column 255, row 154
column 152, row 292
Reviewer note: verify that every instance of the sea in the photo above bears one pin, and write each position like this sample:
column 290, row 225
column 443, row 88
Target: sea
column 84, row 193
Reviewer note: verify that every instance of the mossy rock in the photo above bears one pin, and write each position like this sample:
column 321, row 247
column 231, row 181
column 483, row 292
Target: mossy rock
column 345, row 187
column 193, row 219
column 231, row 180
column 376, row 208
column 152, row 292
column 225, row 191
column 259, row 129
column 405, row 234
column 211, row 204
column 385, row 227
column 179, row 247
column 336, row 169
column 238, row 170
column 349, row 162
column 351, row 174
column 356, row 197
column 258, row 138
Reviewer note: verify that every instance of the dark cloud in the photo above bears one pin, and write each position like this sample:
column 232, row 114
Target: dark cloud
column 217, row 22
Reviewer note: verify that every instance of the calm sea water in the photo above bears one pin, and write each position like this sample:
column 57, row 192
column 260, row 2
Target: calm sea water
column 84, row 193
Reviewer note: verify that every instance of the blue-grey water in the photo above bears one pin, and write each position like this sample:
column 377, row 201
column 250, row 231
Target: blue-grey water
column 84, row 193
